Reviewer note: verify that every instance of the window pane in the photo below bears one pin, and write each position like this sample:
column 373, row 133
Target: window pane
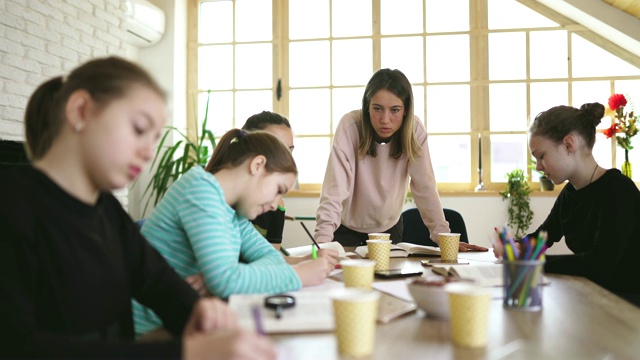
column 308, row 19
column 344, row 23
column 508, row 107
column 548, row 54
column 509, row 14
column 446, row 147
column 253, row 20
column 215, row 24
column 345, row 100
column 405, row 54
column 448, row 108
column 220, row 111
column 254, row 67
column 508, row 152
column 446, row 16
column 309, row 63
column 311, row 157
column 442, row 64
column 215, row 67
column 589, row 60
column 400, row 17
column 352, row 64
column 547, row 95
column 252, row 102
column 631, row 89
column 309, row 111
column 418, row 102
column 507, row 56
column 602, row 150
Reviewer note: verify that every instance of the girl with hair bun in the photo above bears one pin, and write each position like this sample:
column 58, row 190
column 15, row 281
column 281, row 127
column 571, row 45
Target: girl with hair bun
column 597, row 211
column 202, row 224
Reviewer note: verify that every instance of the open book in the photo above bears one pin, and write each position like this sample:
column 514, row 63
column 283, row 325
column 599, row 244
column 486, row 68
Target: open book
column 306, row 249
column 485, row 274
column 405, row 249
column 313, row 312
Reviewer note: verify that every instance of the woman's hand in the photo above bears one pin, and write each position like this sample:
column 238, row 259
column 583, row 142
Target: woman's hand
column 197, row 283
column 464, row 247
column 313, row 272
column 228, row 345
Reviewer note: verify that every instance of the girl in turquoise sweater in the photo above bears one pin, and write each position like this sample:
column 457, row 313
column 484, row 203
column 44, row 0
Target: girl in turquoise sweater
column 202, row 223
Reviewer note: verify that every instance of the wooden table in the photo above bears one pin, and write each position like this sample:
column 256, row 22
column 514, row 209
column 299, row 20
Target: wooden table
column 579, row 320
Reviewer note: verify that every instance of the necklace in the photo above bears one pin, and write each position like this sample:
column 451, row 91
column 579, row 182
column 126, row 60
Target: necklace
column 593, row 173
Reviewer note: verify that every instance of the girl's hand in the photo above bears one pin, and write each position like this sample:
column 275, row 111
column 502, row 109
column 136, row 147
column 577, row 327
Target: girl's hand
column 228, row 345
column 313, row 272
column 210, row 314
column 197, row 283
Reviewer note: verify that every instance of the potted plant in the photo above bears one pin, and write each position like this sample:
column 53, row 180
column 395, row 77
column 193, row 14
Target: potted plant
column 545, row 183
column 176, row 160
column 517, row 193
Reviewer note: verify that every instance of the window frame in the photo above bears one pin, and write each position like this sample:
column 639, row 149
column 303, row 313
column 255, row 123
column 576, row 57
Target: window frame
column 479, row 81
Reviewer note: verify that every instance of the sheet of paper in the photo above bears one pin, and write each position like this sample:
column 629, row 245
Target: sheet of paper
column 397, row 288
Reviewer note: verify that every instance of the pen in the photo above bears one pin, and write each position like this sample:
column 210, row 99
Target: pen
column 314, row 252
column 257, row 319
column 310, row 236
column 284, row 251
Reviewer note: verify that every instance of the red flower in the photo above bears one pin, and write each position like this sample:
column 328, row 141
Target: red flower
column 616, row 101
column 611, row 131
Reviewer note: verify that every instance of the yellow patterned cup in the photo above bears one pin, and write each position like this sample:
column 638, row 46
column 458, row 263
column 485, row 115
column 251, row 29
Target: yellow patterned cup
column 449, row 243
column 358, row 273
column 469, row 314
column 355, row 312
column 379, row 236
column 379, row 251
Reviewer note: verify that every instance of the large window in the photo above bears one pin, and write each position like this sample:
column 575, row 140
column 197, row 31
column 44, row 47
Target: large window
column 480, row 69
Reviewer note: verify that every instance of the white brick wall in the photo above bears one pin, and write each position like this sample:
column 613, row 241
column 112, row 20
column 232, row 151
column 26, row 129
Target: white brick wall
column 40, row 39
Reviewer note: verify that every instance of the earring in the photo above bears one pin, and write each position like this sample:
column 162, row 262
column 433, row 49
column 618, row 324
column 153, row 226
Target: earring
column 77, row 127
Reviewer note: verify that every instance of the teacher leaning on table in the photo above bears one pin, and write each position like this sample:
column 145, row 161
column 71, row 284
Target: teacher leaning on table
column 377, row 151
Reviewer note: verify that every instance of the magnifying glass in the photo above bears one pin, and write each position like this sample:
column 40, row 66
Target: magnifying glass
column 279, row 303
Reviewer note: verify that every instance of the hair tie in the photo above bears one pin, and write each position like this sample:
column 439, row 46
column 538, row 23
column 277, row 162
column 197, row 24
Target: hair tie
column 240, row 135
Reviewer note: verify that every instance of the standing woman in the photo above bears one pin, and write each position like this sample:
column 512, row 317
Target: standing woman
column 597, row 212
column 71, row 258
column 377, row 151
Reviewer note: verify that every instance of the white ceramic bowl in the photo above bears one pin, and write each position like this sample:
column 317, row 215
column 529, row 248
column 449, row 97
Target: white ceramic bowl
column 431, row 298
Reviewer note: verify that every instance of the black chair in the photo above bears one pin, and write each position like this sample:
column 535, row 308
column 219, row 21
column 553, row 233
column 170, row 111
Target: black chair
column 416, row 232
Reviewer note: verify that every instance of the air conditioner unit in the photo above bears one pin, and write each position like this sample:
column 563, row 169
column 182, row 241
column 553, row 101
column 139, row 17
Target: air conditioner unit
column 144, row 23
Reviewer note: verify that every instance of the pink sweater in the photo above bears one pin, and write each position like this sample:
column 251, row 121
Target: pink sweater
column 367, row 194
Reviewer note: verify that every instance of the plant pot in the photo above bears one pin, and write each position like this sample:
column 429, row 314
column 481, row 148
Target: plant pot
column 546, row 184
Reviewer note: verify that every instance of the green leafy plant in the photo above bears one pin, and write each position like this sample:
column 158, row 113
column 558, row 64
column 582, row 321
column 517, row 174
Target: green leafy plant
column 176, row 160
column 517, row 193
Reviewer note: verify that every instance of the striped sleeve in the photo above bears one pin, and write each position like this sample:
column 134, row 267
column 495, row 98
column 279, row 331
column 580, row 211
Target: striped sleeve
column 231, row 254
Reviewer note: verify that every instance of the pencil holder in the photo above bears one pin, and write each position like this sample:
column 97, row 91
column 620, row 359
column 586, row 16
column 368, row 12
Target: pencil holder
column 522, row 285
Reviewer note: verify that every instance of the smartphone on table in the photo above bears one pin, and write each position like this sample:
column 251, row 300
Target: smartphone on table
column 397, row 273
